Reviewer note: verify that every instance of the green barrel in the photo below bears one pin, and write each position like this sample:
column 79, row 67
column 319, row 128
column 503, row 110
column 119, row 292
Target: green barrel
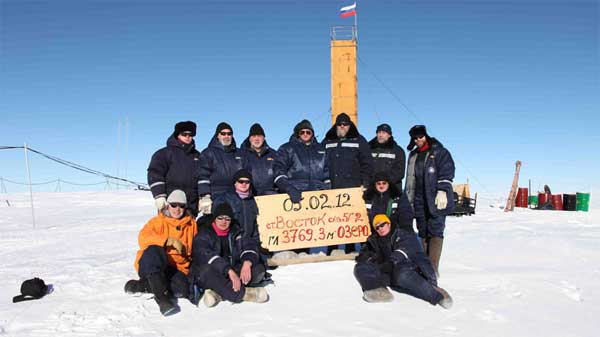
column 583, row 201
column 533, row 200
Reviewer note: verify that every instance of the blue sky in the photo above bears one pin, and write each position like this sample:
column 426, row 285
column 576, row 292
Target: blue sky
column 495, row 81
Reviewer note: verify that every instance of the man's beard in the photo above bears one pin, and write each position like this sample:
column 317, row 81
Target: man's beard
column 224, row 143
column 341, row 133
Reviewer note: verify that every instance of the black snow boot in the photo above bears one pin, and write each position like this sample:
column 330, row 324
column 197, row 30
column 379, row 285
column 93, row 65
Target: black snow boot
column 162, row 295
column 137, row 286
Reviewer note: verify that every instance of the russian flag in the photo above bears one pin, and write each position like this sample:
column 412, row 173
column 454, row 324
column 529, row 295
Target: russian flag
column 348, row 11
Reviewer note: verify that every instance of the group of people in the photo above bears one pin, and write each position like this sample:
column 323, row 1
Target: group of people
column 219, row 255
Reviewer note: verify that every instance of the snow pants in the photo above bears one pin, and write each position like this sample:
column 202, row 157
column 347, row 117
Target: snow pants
column 154, row 261
column 429, row 226
column 404, row 280
column 208, row 277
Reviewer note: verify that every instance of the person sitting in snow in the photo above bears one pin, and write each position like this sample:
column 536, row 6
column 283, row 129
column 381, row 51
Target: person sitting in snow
column 163, row 260
column 392, row 257
column 226, row 262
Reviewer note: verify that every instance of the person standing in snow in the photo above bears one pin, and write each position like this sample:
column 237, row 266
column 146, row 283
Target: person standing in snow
column 226, row 262
column 163, row 260
column 391, row 257
column 259, row 159
column 429, row 178
column 300, row 165
column 387, row 155
column 175, row 167
column 218, row 162
column 349, row 158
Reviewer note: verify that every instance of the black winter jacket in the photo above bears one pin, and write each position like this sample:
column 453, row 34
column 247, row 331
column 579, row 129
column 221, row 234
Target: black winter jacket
column 399, row 248
column 207, row 247
column 438, row 176
column 303, row 166
column 218, row 164
column 261, row 167
column 175, row 167
column 392, row 203
column 350, row 161
column 245, row 211
column 389, row 158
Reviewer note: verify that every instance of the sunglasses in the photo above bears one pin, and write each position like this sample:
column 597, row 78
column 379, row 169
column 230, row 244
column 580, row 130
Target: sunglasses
column 305, row 132
column 222, row 133
column 380, row 226
column 187, row 134
column 223, row 218
column 343, row 124
column 177, row 205
column 418, row 137
column 243, row 181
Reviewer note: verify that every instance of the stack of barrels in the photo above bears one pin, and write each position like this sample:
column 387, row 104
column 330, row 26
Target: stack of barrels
column 560, row 202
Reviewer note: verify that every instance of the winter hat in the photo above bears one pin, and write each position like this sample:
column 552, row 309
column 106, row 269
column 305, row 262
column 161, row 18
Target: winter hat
column 222, row 126
column 31, row 290
column 304, row 124
column 187, row 126
column 385, row 127
column 243, row 173
column 343, row 118
column 381, row 176
column 177, row 196
column 256, row 130
column 222, row 209
column 417, row 130
column 379, row 218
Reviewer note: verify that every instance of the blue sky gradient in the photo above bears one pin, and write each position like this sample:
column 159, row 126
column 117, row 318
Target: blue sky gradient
column 495, row 81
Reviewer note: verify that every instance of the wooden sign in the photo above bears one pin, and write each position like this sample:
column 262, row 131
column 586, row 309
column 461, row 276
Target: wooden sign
column 321, row 218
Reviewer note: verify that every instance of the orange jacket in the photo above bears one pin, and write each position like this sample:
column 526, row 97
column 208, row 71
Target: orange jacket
column 159, row 229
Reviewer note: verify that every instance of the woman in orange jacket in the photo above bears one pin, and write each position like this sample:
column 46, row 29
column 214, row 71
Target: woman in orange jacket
column 165, row 254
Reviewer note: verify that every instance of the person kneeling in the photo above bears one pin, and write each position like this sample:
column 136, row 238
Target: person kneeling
column 392, row 257
column 163, row 260
column 226, row 262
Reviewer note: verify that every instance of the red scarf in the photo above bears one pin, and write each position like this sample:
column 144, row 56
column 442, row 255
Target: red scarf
column 423, row 148
column 220, row 232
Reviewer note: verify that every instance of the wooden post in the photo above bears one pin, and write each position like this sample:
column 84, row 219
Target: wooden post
column 311, row 259
column 510, row 202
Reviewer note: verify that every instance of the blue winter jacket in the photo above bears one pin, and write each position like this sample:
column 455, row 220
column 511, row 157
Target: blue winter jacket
column 207, row 249
column 261, row 167
column 175, row 167
column 245, row 211
column 438, row 176
column 302, row 166
column 400, row 248
column 218, row 164
column 350, row 160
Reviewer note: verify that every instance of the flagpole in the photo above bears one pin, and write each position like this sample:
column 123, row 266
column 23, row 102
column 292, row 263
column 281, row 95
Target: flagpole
column 356, row 19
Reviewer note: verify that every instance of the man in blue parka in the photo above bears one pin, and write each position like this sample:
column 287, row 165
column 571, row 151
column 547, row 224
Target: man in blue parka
column 259, row 159
column 218, row 162
column 175, row 167
column 300, row 164
column 429, row 175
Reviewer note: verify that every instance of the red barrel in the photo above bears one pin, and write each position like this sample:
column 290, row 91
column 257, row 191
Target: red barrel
column 522, row 197
column 542, row 198
column 557, row 201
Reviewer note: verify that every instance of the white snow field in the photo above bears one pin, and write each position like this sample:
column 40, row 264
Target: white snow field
column 527, row 273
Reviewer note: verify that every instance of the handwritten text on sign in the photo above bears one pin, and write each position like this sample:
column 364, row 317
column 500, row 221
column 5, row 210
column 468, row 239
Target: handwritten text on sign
column 322, row 218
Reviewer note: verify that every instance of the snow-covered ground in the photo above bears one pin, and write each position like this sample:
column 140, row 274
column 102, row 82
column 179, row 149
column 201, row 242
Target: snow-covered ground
column 527, row 273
